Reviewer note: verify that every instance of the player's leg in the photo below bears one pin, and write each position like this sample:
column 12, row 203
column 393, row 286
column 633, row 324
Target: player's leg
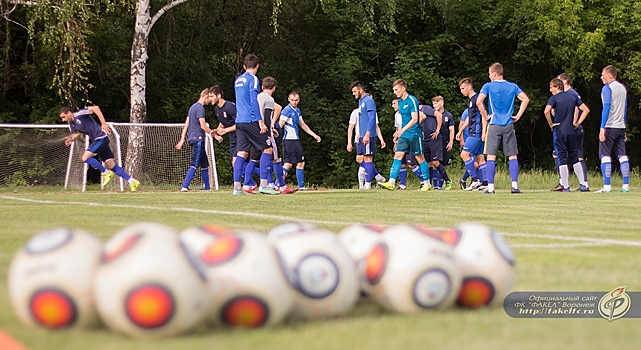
column 368, row 164
column 510, row 148
column 580, row 136
column 361, row 171
column 263, row 142
column 471, row 143
column 193, row 165
column 605, row 150
column 300, row 175
column 90, row 153
column 438, row 165
column 410, row 160
column 574, row 160
column 492, row 140
column 402, row 177
column 624, row 164
column 561, row 147
column 243, row 146
column 419, row 151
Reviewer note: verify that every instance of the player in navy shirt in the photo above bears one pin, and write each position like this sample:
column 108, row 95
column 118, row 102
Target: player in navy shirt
column 226, row 115
column 81, row 123
column 431, row 123
column 194, row 132
column 500, row 95
column 250, row 127
column 447, row 136
column 472, row 152
column 564, row 105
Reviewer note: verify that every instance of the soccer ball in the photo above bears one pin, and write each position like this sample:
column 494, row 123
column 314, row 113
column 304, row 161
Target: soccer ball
column 247, row 280
column 149, row 284
column 289, row 229
column 321, row 271
column 360, row 239
column 411, row 270
column 51, row 278
column 486, row 261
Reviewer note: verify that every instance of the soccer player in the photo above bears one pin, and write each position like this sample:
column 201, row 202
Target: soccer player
column 366, row 145
column 447, row 135
column 612, row 132
column 408, row 138
column 269, row 109
column 81, row 122
column 473, row 142
column 194, row 131
column 353, row 131
column 564, row 104
column 226, row 114
column 250, row 128
column 431, row 121
column 291, row 120
column 410, row 159
column 501, row 94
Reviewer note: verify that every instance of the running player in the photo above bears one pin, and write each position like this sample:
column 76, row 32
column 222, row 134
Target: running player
column 501, row 95
column 612, row 132
column 564, row 104
column 291, row 120
column 81, row 123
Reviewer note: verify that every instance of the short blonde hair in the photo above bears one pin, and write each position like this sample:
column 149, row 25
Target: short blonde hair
column 438, row 98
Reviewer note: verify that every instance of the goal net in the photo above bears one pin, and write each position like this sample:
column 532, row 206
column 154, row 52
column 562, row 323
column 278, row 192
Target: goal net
column 33, row 155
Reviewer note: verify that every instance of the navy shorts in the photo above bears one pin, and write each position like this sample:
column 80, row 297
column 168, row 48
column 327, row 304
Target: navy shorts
column 366, row 150
column 101, row 148
column 292, row 152
column 580, row 135
column 614, row 139
column 565, row 146
column 433, row 149
column 248, row 135
column 232, row 145
column 410, row 159
column 198, row 154
column 446, row 154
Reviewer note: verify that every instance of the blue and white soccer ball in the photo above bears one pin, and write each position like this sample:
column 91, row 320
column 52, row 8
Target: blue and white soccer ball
column 51, row 279
column 149, row 284
column 487, row 264
column 410, row 270
column 321, row 272
column 247, row 281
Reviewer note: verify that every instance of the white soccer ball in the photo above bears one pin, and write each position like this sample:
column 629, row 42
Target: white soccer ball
column 322, row 273
column 247, row 280
column 149, row 284
column 411, row 270
column 360, row 239
column 287, row 229
column 486, row 261
column 51, row 278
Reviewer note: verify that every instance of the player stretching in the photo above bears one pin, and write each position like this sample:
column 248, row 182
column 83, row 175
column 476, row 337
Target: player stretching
column 366, row 144
column 81, row 122
column 290, row 120
column 564, row 104
column 410, row 159
column 353, row 131
column 250, row 128
column 473, row 143
column 408, row 138
column 501, row 94
column 612, row 132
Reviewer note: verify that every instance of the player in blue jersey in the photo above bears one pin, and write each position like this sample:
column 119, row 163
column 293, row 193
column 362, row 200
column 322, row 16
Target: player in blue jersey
column 612, row 132
column 472, row 152
column 194, row 132
column 366, row 145
column 408, row 138
column 500, row 94
column 565, row 121
column 410, row 159
column 291, row 120
column 250, row 127
column 447, row 137
column 81, row 123
column 353, row 131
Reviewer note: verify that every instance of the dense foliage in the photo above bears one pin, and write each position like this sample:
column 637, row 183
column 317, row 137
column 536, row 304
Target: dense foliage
column 318, row 47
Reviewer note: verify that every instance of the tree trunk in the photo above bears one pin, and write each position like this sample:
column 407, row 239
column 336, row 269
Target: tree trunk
column 138, row 88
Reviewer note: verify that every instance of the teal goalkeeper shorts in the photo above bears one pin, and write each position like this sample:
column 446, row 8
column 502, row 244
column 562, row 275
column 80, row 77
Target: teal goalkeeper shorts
column 410, row 146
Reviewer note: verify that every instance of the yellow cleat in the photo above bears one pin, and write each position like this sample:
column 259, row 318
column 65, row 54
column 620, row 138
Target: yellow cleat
column 425, row 188
column 134, row 186
column 387, row 185
column 106, row 177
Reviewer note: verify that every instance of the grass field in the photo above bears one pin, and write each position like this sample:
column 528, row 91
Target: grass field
column 562, row 241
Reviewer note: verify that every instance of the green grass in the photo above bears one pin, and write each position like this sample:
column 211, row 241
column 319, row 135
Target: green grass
column 540, row 267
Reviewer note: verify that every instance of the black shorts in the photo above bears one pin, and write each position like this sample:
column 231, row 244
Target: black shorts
column 101, row 148
column 410, row 159
column 614, row 139
column 248, row 135
column 198, row 154
column 232, row 145
column 566, row 149
column 580, row 135
column 292, row 152
column 255, row 154
column 446, row 154
column 433, row 149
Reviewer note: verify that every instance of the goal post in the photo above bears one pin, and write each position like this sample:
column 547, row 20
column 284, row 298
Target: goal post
column 35, row 154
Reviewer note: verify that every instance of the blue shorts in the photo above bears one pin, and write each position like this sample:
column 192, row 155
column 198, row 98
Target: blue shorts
column 248, row 135
column 474, row 145
column 410, row 146
column 198, row 154
column 292, row 152
column 101, row 148
column 366, row 150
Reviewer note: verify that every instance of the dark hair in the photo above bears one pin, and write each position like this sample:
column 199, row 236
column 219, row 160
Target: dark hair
column 251, row 61
column 557, row 83
column 269, row 83
column 293, row 93
column 394, row 99
column 565, row 77
column 465, row 81
column 65, row 110
column 400, row 82
column 497, row 68
column 611, row 70
column 357, row 84
column 217, row 90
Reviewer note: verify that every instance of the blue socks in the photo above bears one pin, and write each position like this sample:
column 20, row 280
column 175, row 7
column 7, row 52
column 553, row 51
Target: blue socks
column 585, row 170
column 396, row 168
column 204, row 173
column 514, row 170
column 190, row 175
column 121, row 172
column 369, row 171
column 94, row 163
column 469, row 166
column 402, row 176
column 417, row 171
column 490, row 171
column 482, row 172
column 300, row 176
column 606, row 170
column 249, row 172
column 265, row 168
column 278, row 173
column 625, row 169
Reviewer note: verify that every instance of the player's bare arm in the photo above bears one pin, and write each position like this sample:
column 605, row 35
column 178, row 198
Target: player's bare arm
column 411, row 123
column 439, row 123
column 380, row 136
column 585, row 110
column 71, row 138
column 350, row 133
column 548, row 117
column 183, row 135
column 103, row 123
column 524, row 102
column 484, row 116
column 308, row 130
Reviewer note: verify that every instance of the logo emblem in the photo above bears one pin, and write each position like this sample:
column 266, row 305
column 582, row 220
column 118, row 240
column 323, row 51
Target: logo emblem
column 615, row 304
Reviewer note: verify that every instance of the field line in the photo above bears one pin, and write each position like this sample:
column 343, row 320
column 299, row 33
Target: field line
column 585, row 241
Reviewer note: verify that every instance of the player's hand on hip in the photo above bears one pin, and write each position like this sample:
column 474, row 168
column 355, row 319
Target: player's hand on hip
column 602, row 135
column 434, row 135
column 106, row 128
